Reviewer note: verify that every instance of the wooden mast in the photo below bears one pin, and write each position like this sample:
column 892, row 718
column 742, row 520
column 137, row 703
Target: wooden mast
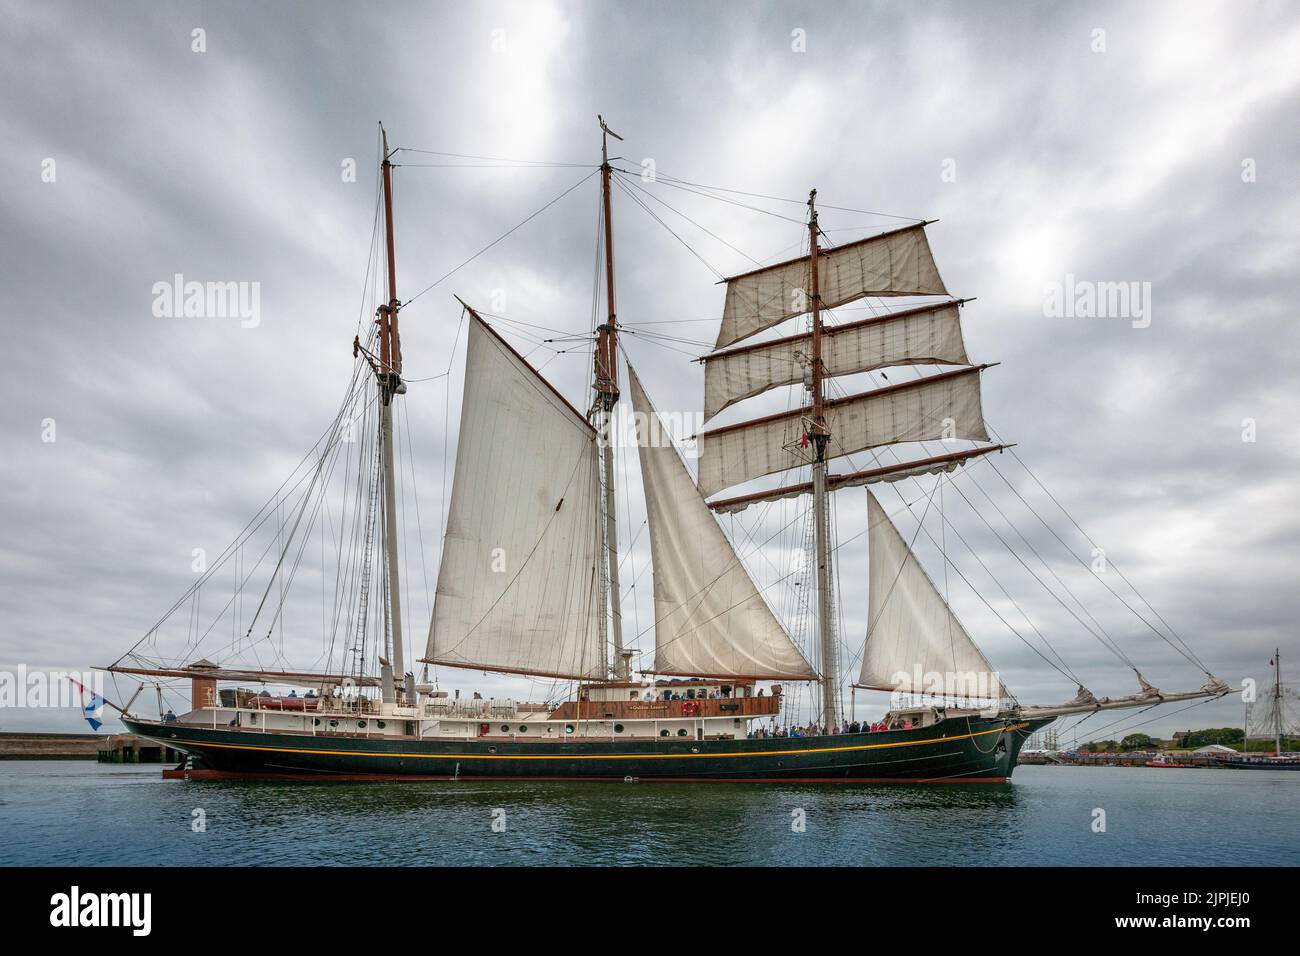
column 390, row 385
column 607, row 392
column 820, row 437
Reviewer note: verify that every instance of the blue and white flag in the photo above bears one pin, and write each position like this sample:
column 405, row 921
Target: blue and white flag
column 95, row 709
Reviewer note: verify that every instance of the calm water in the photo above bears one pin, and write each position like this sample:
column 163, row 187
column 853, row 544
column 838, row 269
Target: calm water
column 78, row 813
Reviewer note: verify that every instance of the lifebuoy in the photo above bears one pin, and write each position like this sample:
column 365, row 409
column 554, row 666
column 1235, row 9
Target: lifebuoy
column 690, row 707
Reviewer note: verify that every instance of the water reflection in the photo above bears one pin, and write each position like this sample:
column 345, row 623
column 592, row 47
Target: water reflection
column 660, row 823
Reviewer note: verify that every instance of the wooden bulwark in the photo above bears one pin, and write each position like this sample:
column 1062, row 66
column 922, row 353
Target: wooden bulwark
column 668, row 709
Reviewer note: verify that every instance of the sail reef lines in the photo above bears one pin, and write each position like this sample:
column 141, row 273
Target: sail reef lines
column 894, row 263
column 942, row 406
column 927, row 335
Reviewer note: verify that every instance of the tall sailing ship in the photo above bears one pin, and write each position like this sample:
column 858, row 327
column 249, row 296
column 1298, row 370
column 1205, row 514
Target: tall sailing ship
column 529, row 580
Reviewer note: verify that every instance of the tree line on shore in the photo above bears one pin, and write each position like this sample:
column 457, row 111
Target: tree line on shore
column 1189, row 740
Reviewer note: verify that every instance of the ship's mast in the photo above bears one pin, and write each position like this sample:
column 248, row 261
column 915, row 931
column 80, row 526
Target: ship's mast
column 820, row 437
column 606, row 386
column 390, row 385
column 1277, row 701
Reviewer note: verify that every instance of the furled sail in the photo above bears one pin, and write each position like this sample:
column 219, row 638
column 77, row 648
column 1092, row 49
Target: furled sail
column 518, row 589
column 930, row 335
column 946, row 405
column 915, row 644
column 887, row 473
column 893, row 263
column 710, row 620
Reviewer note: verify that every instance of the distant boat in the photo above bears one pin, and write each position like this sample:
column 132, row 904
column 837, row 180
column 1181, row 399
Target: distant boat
column 1274, row 718
column 1261, row 762
column 1163, row 760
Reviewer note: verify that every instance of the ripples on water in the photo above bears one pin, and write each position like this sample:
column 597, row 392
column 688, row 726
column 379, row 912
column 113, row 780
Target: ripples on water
column 77, row 813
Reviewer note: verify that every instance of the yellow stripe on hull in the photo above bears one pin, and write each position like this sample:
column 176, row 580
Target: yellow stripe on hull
column 570, row 756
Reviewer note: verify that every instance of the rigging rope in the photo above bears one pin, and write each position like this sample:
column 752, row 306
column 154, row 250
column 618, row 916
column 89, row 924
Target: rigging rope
column 798, row 202
column 1187, row 652
column 498, row 239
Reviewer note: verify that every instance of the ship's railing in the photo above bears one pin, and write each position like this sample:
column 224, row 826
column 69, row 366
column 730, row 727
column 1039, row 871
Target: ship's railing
column 668, row 709
column 484, row 708
column 350, row 705
column 247, row 700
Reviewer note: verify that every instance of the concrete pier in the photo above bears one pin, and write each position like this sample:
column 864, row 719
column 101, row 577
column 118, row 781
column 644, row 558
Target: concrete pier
column 106, row 748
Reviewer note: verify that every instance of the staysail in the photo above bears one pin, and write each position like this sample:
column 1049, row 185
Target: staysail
column 915, row 644
column 943, row 406
column 518, row 589
column 929, row 335
column 710, row 620
column 893, row 263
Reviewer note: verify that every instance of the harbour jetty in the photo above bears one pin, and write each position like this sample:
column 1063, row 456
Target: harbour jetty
column 106, row 748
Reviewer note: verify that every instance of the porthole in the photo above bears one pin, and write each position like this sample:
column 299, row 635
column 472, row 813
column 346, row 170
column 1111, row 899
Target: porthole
column 334, row 723
column 505, row 728
column 663, row 733
column 315, row 721
column 681, row 733
column 492, row 750
column 523, row 728
column 361, row 725
column 380, row 724
column 568, row 728
column 618, row 728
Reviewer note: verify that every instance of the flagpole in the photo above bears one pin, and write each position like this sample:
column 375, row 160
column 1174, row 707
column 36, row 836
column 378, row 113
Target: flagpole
column 86, row 690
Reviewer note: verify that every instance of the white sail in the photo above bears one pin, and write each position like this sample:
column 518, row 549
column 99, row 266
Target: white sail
column 936, row 407
column 915, row 644
column 892, row 263
column 518, row 589
column 930, row 335
column 710, row 620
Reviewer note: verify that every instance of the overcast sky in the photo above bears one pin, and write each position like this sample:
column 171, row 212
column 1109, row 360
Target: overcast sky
column 1151, row 143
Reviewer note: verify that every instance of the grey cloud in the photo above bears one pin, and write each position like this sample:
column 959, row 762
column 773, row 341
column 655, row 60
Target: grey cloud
column 226, row 166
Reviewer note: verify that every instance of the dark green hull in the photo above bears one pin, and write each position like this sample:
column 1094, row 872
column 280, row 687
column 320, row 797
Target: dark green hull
column 958, row 749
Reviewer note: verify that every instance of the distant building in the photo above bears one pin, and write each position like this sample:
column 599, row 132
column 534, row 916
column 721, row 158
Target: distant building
column 1214, row 749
